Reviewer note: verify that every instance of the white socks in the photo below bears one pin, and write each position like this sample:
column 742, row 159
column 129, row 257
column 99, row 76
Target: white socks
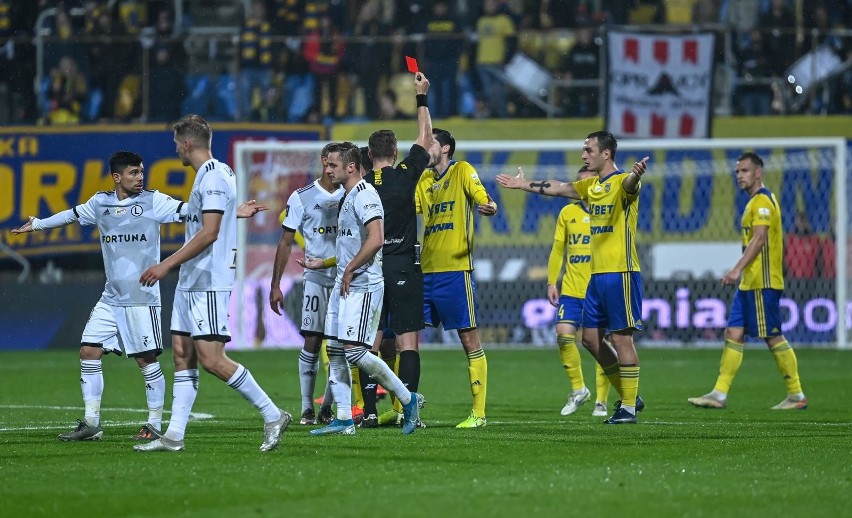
column 340, row 380
column 155, row 391
column 308, row 364
column 185, row 390
column 92, row 386
column 379, row 371
column 243, row 382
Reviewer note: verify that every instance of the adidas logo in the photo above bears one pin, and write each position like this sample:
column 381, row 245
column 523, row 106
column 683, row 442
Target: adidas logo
column 573, row 220
column 106, row 212
column 476, row 383
column 317, row 207
column 400, row 283
column 148, row 386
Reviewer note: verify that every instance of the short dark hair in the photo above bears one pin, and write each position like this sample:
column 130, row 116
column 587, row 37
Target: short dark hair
column 195, row 128
column 583, row 169
column 120, row 160
column 366, row 162
column 754, row 157
column 445, row 138
column 606, row 140
column 382, row 144
column 349, row 152
column 325, row 149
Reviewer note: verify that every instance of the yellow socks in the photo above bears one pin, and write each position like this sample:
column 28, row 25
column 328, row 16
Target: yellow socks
column 478, row 371
column 601, row 385
column 732, row 358
column 357, row 395
column 629, row 375
column 571, row 360
column 614, row 377
column 788, row 366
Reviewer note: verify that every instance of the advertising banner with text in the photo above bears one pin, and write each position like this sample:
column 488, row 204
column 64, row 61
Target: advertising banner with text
column 45, row 170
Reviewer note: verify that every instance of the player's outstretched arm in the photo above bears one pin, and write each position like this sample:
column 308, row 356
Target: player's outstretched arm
column 546, row 187
column 317, row 263
column 26, row 227
column 248, row 209
column 59, row 219
column 209, row 233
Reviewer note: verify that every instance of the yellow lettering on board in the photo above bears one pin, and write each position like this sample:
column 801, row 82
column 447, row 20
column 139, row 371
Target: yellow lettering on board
column 28, row 146
column 35, row 189
column 7, row 192
column 158, row 178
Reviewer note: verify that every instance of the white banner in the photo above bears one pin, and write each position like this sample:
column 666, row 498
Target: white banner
column 659, row 85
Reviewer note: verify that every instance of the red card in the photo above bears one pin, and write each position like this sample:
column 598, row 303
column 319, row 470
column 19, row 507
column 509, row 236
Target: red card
column 411, row 63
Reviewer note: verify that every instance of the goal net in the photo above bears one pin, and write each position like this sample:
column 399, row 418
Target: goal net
column 688, row 237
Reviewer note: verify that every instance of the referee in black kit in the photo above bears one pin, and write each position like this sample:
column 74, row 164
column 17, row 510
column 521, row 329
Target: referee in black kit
column 402, row 311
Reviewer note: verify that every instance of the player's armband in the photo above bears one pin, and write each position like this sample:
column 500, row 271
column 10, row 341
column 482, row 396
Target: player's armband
column 330, row 262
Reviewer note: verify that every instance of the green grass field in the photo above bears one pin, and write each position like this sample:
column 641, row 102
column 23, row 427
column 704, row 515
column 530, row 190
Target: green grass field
column 679, row 461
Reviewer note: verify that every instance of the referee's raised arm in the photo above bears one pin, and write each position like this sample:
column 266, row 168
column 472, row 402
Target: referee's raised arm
column 424, row 119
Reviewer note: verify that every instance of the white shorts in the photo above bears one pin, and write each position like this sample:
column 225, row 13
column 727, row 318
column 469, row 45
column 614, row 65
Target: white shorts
column 355, row 318
column 314, row 308
column 131, row 330
column 203, row 315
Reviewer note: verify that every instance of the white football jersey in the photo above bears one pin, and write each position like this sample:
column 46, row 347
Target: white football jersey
column 360, row 206
column 130, row 241
column 313, row 211
column 214, row 190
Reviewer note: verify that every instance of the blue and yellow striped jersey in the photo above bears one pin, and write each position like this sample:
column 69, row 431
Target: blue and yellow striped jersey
column 571, row 245
column 447, row 202
column 614, row 214
column 765, row 271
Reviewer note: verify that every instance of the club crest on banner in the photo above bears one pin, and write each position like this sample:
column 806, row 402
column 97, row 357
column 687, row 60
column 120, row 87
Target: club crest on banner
column 660, row 85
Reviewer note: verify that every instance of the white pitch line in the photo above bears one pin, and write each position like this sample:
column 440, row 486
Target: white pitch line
column 55, row 425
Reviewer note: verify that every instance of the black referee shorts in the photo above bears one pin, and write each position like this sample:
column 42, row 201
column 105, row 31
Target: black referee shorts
column 402, row 309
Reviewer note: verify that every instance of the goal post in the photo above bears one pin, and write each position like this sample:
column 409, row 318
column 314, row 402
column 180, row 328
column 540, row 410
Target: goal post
column 688, row 236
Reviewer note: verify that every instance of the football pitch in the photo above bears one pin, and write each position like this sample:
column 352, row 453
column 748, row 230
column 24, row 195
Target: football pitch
column 746, row 460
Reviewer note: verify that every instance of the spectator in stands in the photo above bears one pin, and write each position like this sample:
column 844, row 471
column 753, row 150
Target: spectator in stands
column 166, row 86
column 496, row 33
column 112, row 57
column 368, row 54
column 582, row 62
column 17, row 61
column 706, row 11
column 255, row 59
column 388, row 107
column 324, row 51
column 286, row 16
column 166, row 34
column 647, row 12
column 753, row 93
column 777, row 26
column 63, row 41
column 442, row 51
column 66, row 94
column 133, row 15
column 801, row 249
column 298, row 83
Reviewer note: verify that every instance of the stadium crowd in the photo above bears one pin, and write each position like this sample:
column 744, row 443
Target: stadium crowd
column 327, row 60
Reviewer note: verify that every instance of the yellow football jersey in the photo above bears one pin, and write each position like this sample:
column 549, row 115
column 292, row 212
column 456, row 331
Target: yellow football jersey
column 614, row 214
column 766, row 269
column 447, row 202
column 571, row 245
